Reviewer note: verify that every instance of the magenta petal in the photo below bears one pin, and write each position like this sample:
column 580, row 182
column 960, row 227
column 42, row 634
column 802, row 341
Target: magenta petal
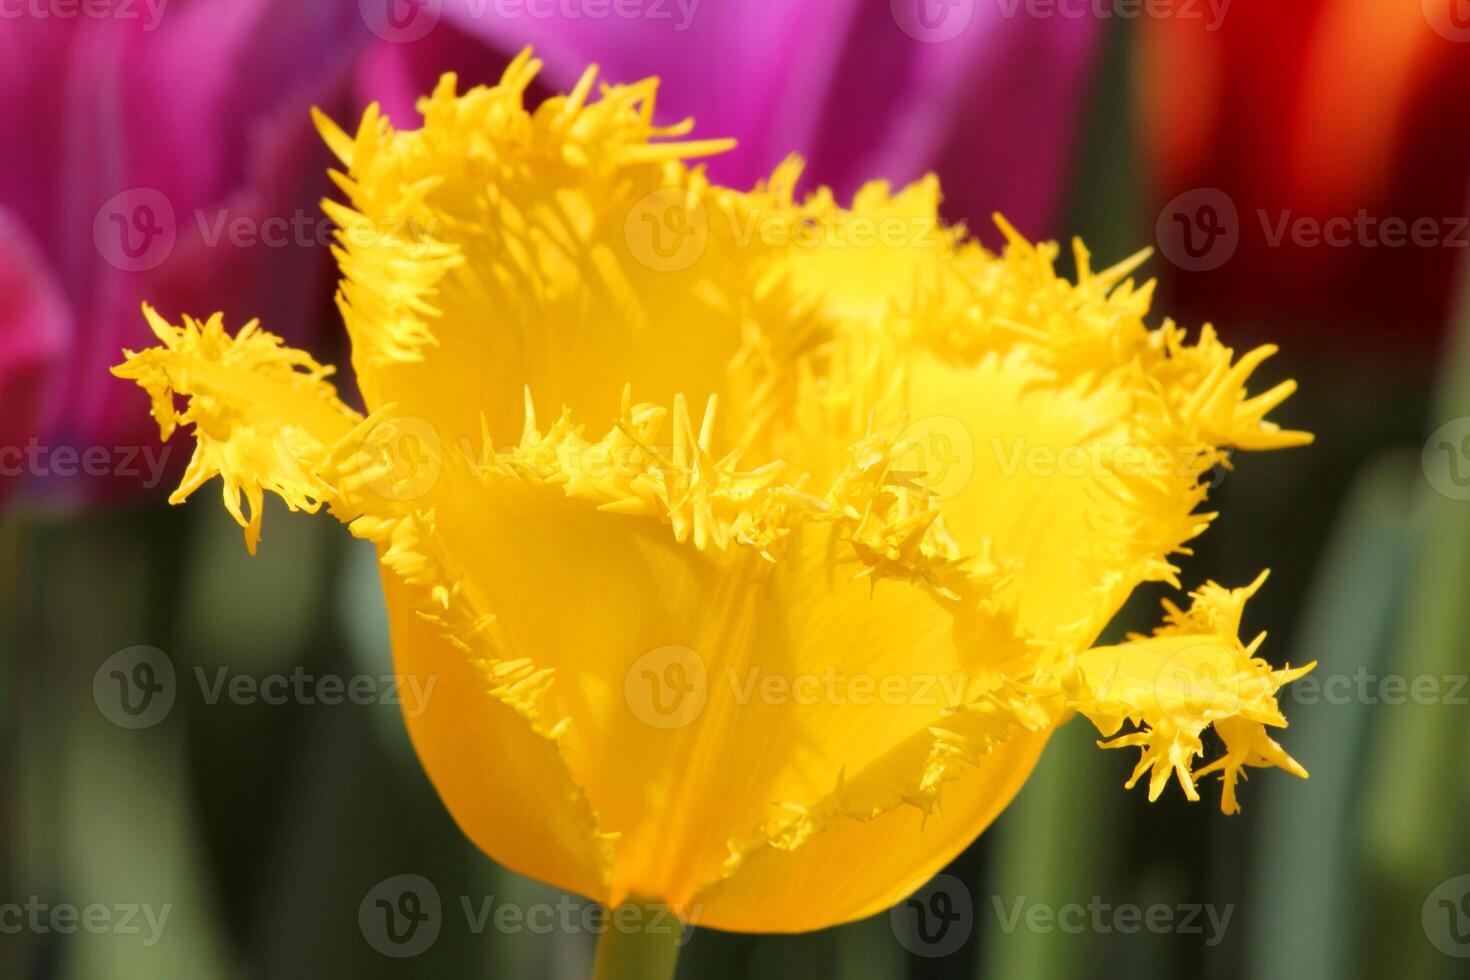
column 174, row 140
column 396, row 76
column 35, row 330
column 992, row 102
column 758, row 70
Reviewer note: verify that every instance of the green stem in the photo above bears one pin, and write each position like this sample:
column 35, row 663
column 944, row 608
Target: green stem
column 641, row 942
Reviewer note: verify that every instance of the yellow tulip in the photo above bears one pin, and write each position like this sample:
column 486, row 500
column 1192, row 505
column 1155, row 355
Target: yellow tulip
column 757, row 544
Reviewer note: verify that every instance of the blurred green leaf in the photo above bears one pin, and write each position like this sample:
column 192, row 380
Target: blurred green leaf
column 1307, row 886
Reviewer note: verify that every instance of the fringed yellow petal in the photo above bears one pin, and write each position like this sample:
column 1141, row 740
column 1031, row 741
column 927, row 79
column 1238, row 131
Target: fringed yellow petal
column 264, row 415
column 868, row 452
column 1193, row 673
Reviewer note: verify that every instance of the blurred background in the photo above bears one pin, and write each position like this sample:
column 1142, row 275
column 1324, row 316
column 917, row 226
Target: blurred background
column 1302, row 170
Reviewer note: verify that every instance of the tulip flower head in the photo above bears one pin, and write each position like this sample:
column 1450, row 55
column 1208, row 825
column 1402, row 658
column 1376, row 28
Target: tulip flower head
column 757, row 543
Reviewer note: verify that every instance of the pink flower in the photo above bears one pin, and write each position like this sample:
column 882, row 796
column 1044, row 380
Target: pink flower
column 167, row 153
column 162, row 152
